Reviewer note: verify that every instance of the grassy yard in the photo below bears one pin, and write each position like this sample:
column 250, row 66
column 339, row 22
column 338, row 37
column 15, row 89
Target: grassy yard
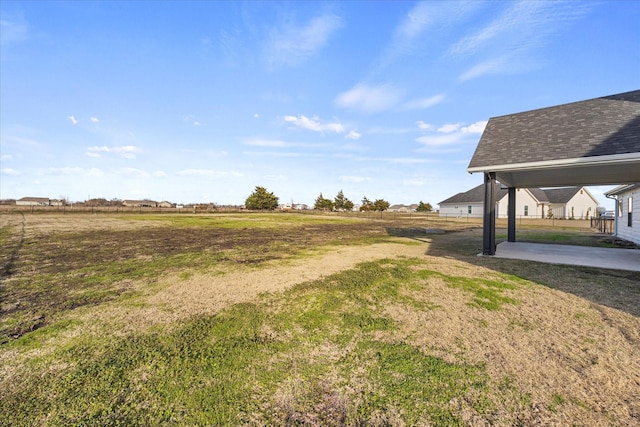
column 286, row 319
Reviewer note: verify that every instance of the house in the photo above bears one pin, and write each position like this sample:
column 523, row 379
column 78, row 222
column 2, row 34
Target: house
column 33, row 201
column 571, row 203
column 139, row 203
column 590, row 142
column 627, row 213
column 565, row 203
column 403, row 208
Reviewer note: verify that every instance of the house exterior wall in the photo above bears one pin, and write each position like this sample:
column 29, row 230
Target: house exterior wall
column 558, row 210
column 626, row 232
column 462, row 209
column 523, row 199
column 581, row 206
column 30, row 201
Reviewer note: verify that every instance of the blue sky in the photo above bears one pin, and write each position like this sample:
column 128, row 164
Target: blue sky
column 203, row 101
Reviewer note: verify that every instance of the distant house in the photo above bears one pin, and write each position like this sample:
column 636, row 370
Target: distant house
column 165, row 204
column 530, row 202
column 403, row 208
column 140, row 203
column 571, row 202
column 33, row 201
column 628, row 211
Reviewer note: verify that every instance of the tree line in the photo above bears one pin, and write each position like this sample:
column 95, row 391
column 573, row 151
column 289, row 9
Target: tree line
column 262, row 199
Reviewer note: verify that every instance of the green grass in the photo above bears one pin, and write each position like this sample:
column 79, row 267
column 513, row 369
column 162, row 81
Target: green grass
column 323, row 352
column 564, row 237
column 487, row 293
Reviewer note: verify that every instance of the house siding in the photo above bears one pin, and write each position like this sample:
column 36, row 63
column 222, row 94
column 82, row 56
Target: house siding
column 523, row 198
column 33, row 201
column 462, row 209
column 624, row 230
column 583, row 206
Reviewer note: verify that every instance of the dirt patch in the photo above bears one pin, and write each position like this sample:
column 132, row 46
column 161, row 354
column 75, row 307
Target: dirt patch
column 209, row 293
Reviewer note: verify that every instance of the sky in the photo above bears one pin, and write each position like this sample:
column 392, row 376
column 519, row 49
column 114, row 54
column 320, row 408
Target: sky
column 202, row 101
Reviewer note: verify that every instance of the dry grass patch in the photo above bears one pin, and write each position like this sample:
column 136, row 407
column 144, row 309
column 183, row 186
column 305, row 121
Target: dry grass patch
column 366, row 323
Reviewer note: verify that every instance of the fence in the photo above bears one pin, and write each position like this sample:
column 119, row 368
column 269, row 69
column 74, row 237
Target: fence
column 604, row 225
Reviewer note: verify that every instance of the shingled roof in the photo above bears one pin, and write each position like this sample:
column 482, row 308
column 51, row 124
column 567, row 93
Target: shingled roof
column 569, row 138
column 548, row 195
column 561, row 195
column 475, row 195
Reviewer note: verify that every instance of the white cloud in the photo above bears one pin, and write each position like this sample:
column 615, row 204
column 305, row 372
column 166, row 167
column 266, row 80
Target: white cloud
column 446, row 139
column 75, row 171
column 354, row 134
column 197, row 123
column 451, row 133
column 9, row 171
column 73, row 119
column 271, row 154
column 491, row 66
column 416, row 21
column 449, row 127
column 477, row 127
column 369, row 99
column 6, row 157
column 424, row 126
column 256, row 115
column 258, row 142
column 133, row 173
column 422, row 103
column 94, row 120
column 13, row 32
column 160, row 174
column 290, row 44
column 314, row 124
column 507, row 43
column 126, row 151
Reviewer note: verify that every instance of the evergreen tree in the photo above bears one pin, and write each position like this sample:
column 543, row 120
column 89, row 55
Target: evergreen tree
column 367, row 205
column 341, row 203
column 380, row 205
column 348, row 205
column 323, row 204
column 261, row 199
column 424, row 207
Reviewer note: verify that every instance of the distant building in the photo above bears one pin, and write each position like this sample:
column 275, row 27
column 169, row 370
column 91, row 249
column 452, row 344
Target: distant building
column 33, row 201
column 564, row 203
column 140, row 203
column 403, row 208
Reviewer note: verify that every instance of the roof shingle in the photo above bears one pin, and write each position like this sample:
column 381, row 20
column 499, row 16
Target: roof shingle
column 597, row 127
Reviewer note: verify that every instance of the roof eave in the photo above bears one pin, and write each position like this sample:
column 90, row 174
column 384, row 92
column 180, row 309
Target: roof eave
column 555, row 164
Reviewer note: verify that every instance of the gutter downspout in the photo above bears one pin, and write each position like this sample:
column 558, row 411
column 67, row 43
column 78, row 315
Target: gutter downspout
column 615, row 212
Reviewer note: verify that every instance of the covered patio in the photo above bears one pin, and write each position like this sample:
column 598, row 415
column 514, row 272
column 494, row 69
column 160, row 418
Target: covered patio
column 613, row 258
column 592, row 142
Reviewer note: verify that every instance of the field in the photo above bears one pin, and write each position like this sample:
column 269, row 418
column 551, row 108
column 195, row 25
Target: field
column 289, row 319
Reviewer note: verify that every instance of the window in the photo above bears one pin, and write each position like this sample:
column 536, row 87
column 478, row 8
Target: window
column 619, row 208
column 526, row 210
column 469, row 209
column 630, row 213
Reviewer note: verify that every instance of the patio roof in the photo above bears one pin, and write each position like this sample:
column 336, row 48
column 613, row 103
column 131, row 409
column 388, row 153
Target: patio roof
column 590, row 142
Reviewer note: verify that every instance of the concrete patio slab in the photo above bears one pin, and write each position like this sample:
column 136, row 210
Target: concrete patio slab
column 613, row 258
